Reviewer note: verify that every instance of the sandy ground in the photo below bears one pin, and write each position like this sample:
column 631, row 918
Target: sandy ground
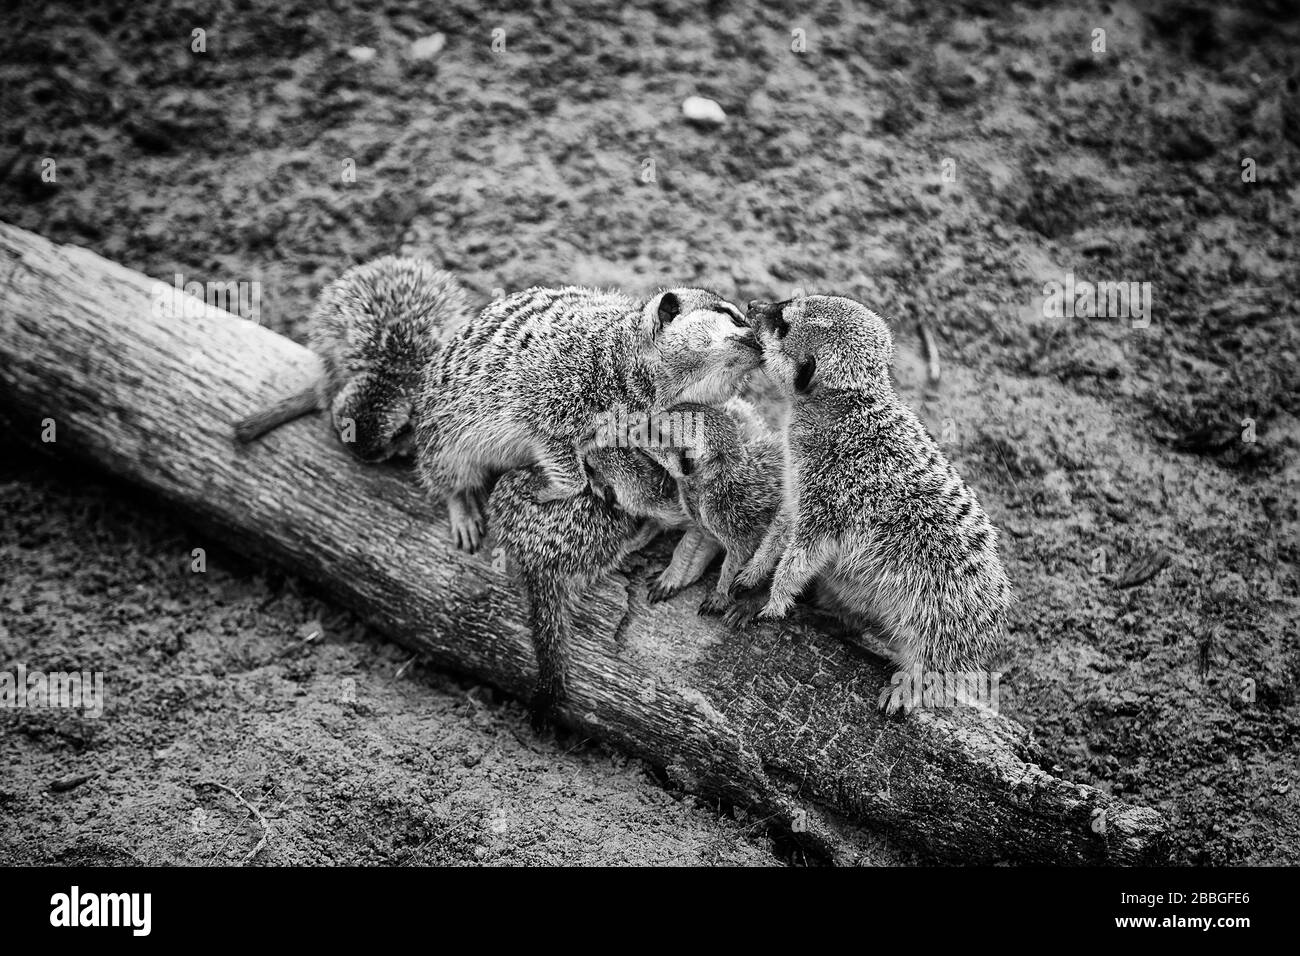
column 940, row 161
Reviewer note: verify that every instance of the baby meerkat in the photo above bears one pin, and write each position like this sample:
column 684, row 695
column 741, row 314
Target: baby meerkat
column 375, row 328
column 730, row 482
column 562, row 546
column 524, row 382
column 872, row 509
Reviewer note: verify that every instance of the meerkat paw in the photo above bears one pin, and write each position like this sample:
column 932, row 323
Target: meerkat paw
column 746, row 603
column 714, row 603
column 774, row 610
column 742, row 612
column 748, row 583
column 664, row 587
column 758, row 592
column 467, row 523
column 897, row 697
column 694, row 553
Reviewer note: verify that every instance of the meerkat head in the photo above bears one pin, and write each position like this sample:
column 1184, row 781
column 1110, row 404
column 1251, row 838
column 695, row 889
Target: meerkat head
column 373, row 414
column 639, row 485
column 700, row 346
column 821, row 341
column 694, row 438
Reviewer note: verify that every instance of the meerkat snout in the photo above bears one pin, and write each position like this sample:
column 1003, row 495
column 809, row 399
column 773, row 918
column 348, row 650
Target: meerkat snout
column 768, row 316
column 372, row 417
column 703, row 346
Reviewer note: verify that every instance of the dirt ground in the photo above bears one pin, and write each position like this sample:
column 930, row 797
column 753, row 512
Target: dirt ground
column 941, row 161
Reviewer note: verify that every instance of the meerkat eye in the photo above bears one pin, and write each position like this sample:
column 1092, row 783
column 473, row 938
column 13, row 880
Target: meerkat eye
column 733, row 313
column 687, row 464
column 669, row 308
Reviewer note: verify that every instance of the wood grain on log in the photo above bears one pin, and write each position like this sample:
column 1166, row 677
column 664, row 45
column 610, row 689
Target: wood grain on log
column 781, row 720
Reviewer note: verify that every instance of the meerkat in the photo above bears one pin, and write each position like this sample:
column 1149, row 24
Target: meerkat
column 525, row 381
column 375, row 328
column 561, row 547
column 729, row 481
column 871, row 507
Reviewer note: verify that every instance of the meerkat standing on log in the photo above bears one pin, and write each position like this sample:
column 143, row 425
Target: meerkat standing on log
column 374, row 328
column 562, row 546
column 730, row 482
column 872, row 509
column 524, row 382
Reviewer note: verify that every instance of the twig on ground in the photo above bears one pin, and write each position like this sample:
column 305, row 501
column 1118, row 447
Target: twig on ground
column 266, row 827
column 1144, row 566
column 298, row 644
column 932, row 369
column 64, row 784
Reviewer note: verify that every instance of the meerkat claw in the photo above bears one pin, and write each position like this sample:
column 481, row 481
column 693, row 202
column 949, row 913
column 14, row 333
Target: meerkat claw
column 661, row 592
column 758, row 593
column 772, row 611
column 893, row 700
column 742, row 613
column 713, row 604
column 743, row 590
column 466, row 529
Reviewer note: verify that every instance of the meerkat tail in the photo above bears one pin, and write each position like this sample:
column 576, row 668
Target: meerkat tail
column 549, row 617
column 300, row 403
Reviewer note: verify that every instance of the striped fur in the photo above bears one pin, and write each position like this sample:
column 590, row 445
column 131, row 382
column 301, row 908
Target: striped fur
column 872, row 509
column 524, row 382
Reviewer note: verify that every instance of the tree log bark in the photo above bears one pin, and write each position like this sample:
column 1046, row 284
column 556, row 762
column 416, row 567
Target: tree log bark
column 781, row 720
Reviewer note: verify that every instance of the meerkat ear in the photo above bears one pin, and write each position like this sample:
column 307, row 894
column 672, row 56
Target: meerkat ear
column 804, row 375
column 669, row 307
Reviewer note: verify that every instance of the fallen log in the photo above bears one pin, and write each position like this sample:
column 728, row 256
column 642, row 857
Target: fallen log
column 145, row 383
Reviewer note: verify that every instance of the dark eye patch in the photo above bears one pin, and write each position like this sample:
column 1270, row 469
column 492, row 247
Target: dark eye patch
column 779, row 325
column 804, row 376
column 732, row 313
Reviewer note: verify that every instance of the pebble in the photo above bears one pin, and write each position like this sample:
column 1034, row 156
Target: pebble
column 426, row 48
column 698, row 109
column 1022, row 70
column 362, row 54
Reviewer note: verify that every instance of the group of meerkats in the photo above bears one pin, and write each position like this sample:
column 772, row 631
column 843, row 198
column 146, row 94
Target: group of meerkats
column 851, row 501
